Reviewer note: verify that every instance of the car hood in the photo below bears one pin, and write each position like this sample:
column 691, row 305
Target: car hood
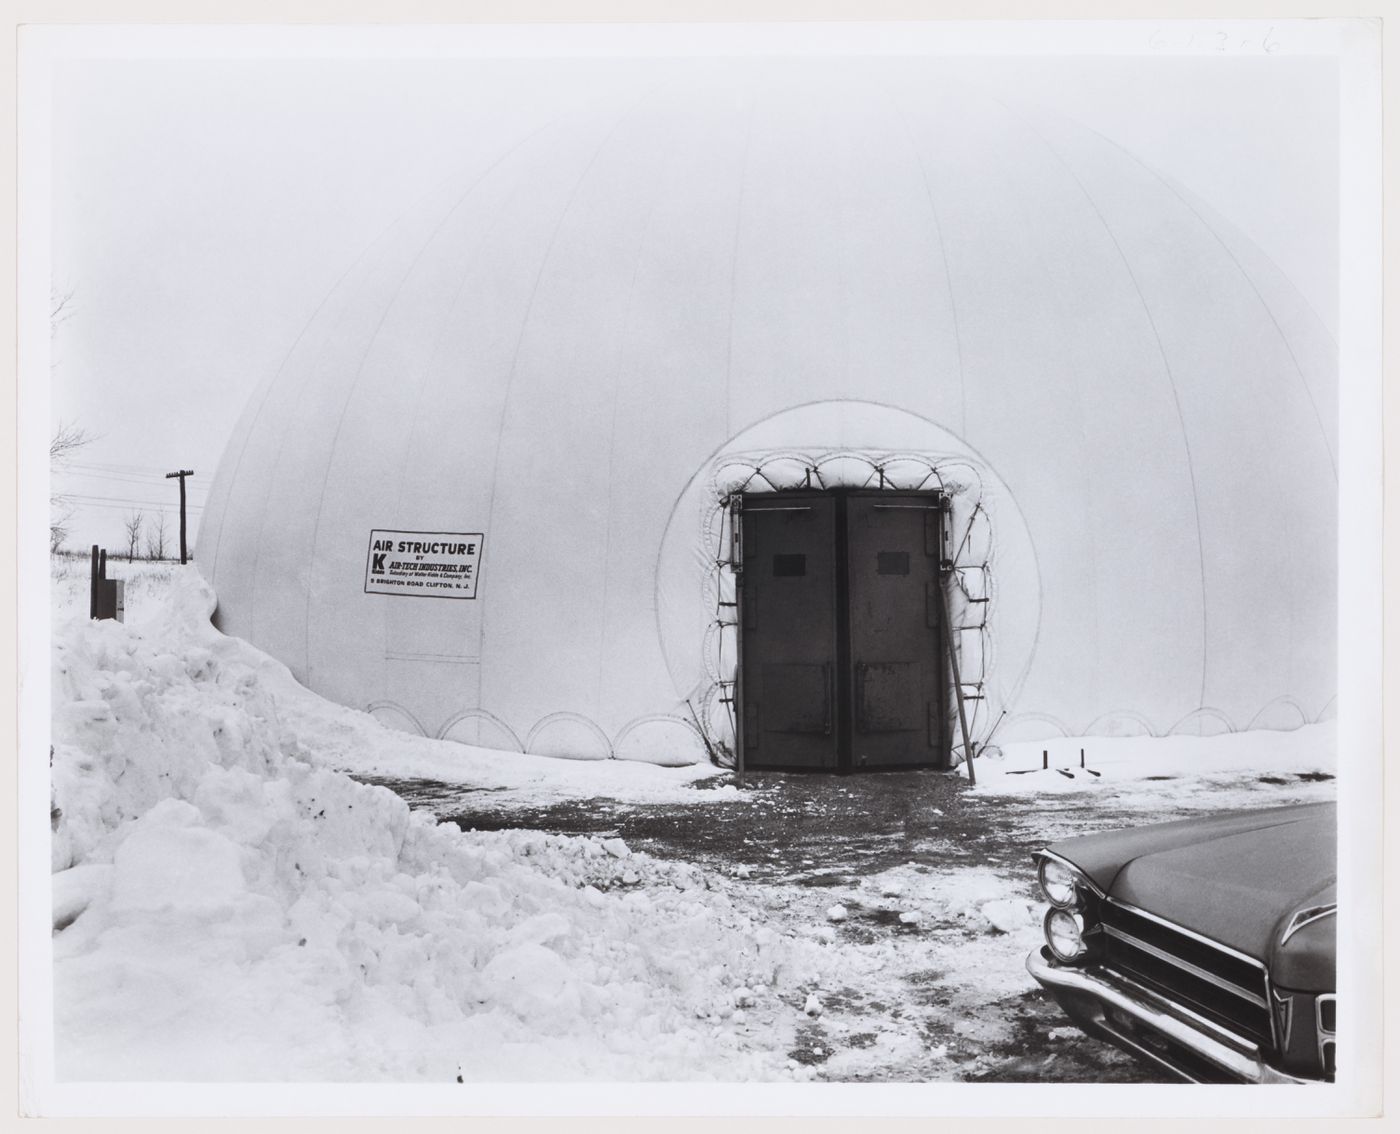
column 1237, row 879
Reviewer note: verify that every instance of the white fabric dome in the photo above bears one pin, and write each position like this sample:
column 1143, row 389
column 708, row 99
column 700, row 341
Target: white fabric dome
column 758, row 269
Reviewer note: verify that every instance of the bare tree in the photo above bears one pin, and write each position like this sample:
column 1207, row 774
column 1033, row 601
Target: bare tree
column 60, row 307
column 155, row 537
column 133, row 533
column 58, row 529
column 66, row 439
column 63, row 443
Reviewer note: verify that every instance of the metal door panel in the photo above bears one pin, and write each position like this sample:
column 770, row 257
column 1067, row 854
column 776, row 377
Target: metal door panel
column 788, row 631
column 797, row 698
column 889, row 697
column 894, row 543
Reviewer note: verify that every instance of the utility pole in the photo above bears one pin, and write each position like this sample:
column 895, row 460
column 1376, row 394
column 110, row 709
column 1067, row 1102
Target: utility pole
column 181, row 474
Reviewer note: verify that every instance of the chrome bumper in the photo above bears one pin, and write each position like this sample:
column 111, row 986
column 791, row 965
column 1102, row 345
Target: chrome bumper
column 1129, row 1016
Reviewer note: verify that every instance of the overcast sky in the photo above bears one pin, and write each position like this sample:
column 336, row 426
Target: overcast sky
column 201, row 210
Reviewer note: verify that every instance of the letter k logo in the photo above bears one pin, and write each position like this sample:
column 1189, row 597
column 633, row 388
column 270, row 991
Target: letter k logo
column 378, row 567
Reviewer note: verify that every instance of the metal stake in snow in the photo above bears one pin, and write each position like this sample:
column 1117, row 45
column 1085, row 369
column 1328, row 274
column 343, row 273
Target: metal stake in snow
column 181, row 473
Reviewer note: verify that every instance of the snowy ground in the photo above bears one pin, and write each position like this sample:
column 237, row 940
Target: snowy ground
column 330, row 734
column 230, row 905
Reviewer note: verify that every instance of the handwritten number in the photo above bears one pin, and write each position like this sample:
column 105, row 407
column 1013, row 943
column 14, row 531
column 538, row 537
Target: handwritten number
column 1161, row 40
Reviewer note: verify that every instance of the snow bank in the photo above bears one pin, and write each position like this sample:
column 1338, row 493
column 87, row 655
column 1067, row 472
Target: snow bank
column 355, row 742
column 228, row 906
column 1135, row 762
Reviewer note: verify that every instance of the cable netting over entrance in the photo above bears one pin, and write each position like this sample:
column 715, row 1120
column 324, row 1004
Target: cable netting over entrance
column 971, row 593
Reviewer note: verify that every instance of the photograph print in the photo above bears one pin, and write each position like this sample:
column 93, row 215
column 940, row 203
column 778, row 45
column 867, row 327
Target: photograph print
column 688, row 555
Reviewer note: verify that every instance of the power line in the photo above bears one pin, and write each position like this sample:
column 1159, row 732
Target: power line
column 117, row 470
column 118, row 498
column 122, row 502
column 107, row 477
column 113, row 466
column 106, row 470
column 121, row 470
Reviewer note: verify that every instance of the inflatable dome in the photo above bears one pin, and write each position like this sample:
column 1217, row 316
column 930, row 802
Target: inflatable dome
column 496, row 491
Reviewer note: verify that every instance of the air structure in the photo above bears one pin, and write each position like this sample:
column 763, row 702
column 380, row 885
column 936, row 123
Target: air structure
column 577, row 383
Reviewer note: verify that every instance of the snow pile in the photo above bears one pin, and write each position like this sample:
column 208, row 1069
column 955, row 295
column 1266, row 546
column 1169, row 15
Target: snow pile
column 978, row 899
column 228, row 907
column 339, row 737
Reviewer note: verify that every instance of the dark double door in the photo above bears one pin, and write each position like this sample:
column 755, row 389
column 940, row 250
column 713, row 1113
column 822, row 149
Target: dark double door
column 842, row 663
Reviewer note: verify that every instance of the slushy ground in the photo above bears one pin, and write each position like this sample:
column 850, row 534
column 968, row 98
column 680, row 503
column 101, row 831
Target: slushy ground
column 948, row 996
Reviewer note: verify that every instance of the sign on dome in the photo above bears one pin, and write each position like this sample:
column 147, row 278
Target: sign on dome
column 431, row 564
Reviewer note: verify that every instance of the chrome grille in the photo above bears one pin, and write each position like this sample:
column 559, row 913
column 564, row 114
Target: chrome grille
column 1209, row 979
column 1326, row 1006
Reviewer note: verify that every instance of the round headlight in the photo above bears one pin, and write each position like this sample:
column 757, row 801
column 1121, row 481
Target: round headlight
column 1064, row 932
column 1057, row 881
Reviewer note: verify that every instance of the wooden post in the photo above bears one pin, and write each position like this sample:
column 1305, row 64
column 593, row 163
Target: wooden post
column 181, row 474
column 92, row 589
